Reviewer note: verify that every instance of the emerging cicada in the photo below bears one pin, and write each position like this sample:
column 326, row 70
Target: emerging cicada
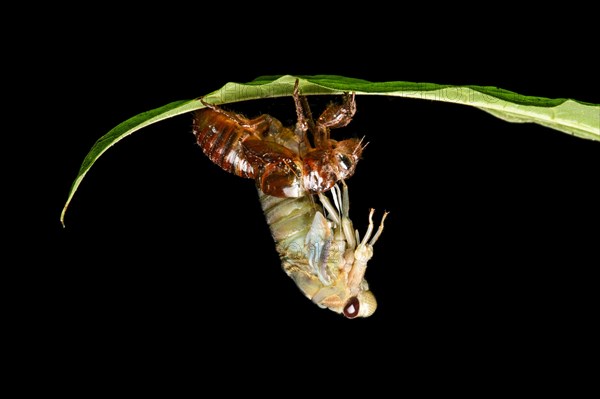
column 320, row 250
column 283, row 161
column 317, row 244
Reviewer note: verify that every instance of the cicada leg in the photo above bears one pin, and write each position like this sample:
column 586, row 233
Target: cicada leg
column 371, row 227
column 262, row 124
column 339, row 212
column 364, row 251
column 305, row 121
column 338, row 115
column 334, row 116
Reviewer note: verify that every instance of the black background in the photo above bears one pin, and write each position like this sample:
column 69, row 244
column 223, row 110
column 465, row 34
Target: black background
column 490, row 241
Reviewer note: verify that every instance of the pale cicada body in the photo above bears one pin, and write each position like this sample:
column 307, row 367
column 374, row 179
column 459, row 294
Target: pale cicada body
column 320, row 250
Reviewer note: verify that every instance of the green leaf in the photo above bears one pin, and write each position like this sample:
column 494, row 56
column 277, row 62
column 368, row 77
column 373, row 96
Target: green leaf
column 566, row 115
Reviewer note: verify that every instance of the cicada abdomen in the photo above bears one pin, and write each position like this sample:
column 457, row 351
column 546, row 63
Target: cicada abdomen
column 320, row 250
column 220, row 136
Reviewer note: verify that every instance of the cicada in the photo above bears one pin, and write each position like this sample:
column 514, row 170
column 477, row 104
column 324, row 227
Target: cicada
column 283, row 161
column 314, row 236
column 321, row 251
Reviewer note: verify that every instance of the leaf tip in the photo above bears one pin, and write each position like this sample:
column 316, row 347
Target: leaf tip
column 62, row 215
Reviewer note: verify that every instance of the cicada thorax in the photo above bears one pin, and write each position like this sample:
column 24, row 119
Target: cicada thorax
column 278, row 169
column 281, row 172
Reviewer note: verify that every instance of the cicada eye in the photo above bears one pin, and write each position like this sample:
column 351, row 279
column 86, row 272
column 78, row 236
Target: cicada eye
column 345, row 162
column 352, row 308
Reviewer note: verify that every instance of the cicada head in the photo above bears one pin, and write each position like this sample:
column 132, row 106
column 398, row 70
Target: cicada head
column 323, row 168
column 346, row 155
column 342, row 299
column 338, row 297
column 362, row 305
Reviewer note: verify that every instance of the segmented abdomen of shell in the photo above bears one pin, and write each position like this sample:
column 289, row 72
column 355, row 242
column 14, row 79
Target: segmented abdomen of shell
column 221, row 141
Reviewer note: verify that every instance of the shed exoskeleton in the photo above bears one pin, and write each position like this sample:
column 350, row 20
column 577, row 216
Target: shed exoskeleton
column 285, row 162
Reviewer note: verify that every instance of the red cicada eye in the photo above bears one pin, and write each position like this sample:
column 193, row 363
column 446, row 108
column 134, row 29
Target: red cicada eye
column 352, row 308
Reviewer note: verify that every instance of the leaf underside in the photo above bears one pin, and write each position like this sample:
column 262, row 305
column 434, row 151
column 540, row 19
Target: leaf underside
column 570, row 116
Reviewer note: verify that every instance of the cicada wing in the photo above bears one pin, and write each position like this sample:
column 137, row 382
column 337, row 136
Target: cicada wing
column 318, row 244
